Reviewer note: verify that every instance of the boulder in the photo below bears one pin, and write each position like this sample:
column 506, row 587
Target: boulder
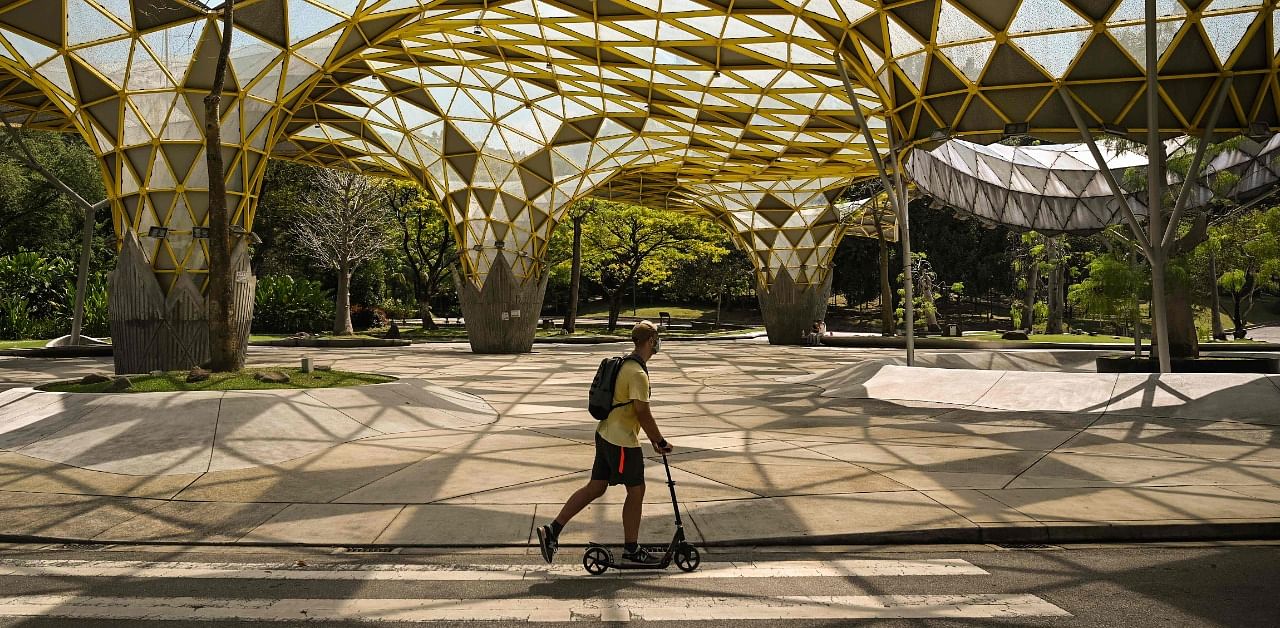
column 197, row 374
column 1016, row 334
column 393, row 331
column 119, row 384
column 94, row 378
column 272, row 377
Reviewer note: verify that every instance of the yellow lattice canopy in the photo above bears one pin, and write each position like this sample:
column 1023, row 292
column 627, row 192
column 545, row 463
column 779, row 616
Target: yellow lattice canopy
column 510, row 110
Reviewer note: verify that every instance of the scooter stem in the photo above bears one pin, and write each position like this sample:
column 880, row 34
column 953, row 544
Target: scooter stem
column 671, row 486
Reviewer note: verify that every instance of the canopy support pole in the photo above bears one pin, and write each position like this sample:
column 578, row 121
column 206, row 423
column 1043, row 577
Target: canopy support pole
column 897, row 198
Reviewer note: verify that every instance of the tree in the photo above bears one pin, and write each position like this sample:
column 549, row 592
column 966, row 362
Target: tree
column 578, row 213
column 226, row 353
column 348, row 222
column 1246, row 253
column 18, row 147
column 629, row 245
column 426, row 242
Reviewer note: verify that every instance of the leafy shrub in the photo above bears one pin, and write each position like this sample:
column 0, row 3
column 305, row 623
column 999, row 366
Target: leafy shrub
column 287, row 305
column 44, row 283
column 97, row 321
column 364, row 317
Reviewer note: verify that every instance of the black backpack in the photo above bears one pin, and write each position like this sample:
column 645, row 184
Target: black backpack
column 600, row 400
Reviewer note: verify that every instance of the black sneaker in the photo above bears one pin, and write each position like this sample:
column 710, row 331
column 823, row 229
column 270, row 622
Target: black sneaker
column 547, row 542
column 641, row 557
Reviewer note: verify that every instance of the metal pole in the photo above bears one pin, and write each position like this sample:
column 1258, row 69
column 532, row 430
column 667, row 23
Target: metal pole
column 1138, row 233
column 892, row 191
column 1155, row 196
column 82, row 278
column 904, row 234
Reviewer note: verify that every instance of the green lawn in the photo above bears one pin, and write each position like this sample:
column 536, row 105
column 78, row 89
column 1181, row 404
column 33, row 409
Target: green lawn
column 1061, row 338
column 1073, row 338
column 242, row 380
column 456, row 334
column 22, row 344
column 651, row 312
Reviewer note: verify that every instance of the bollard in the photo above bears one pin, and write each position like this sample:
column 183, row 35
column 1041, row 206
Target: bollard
column 306, row 365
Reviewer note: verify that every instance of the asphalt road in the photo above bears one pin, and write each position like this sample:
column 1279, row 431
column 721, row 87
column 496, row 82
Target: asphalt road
column 1222, row 584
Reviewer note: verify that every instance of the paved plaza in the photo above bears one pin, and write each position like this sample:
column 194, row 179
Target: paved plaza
column 773, row 445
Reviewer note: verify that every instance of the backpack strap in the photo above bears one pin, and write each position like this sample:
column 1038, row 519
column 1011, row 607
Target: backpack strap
column 633, row 358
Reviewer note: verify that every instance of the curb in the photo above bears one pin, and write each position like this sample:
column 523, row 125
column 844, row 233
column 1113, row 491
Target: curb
column 83, row 351
column 600, row 340
column 1019, row 534
column 898, row 342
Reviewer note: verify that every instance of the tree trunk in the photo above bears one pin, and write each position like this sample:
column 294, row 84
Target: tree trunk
column 719, row 301
column 342, row 311
column 424, row 312
column 615, row 308
column 1053, row 325
column 886, row 286
column 1029, row 297
column 1183, row 341
column 224, row 346
column 1215, row 299
column 575, row 277
column 927, row 298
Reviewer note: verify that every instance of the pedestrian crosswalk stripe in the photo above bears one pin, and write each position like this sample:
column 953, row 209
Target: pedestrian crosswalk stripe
column 276, row 571
column 533, row 609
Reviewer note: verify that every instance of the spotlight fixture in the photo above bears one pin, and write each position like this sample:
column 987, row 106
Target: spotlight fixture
column 475, row 30
column 1259, row 129
column 1114, row 129
column 941, row 135
column 1015, row 129
column 499, row 244
column 200, row 232
column 478, row 248
column 158, row 232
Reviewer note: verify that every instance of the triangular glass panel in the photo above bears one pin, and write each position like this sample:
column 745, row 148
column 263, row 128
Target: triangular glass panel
column 56, row 72
column 954, row 25
column 85, row 23
column 1226, row 31
column 901, row 42
column 175, row 48
column 32, row 52
column 145, row 73
column 306, row 20
column 1136, row 10
column 250, row 55
column 1134, row 39
column 1053, row 52
column 970, row 59
column 1044, row 15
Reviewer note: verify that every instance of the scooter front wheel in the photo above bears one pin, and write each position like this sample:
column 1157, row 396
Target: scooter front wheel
column 687, row 558
column 595, row 560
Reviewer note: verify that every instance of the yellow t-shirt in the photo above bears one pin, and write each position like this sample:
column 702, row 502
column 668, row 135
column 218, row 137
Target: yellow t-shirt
column 622, row 428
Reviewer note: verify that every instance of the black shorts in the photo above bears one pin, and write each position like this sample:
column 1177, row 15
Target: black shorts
column 618, row 465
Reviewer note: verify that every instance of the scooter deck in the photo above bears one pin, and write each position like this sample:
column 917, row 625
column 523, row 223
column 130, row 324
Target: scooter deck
column 658, row 550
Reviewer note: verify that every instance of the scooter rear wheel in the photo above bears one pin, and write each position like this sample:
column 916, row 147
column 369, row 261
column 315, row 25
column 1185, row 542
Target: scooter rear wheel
column 595, row 560
column 687, row 558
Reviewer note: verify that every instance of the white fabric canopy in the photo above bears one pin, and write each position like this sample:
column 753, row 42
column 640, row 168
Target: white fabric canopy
column 1051, row 189
column 1058, row 189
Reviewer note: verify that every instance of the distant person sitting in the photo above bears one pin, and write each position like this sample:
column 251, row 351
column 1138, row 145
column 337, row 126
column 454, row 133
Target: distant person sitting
column 813, row 337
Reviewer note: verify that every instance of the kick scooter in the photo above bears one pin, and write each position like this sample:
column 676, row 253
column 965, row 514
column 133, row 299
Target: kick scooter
column 598, row 559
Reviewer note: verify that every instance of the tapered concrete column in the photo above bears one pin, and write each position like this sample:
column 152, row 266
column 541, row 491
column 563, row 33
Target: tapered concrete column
column 502, row 313
column 789, row 308
column 789, row 230
column 133, row 81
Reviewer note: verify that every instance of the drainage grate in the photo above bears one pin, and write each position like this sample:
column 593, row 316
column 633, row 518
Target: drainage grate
column 81, row 547
column 1023, row 546
column 370, row 550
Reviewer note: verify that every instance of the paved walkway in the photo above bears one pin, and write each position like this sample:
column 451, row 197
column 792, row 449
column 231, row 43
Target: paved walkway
column 774, row 444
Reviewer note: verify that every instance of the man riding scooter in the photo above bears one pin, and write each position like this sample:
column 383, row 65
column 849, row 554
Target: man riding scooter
column 619, row 458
